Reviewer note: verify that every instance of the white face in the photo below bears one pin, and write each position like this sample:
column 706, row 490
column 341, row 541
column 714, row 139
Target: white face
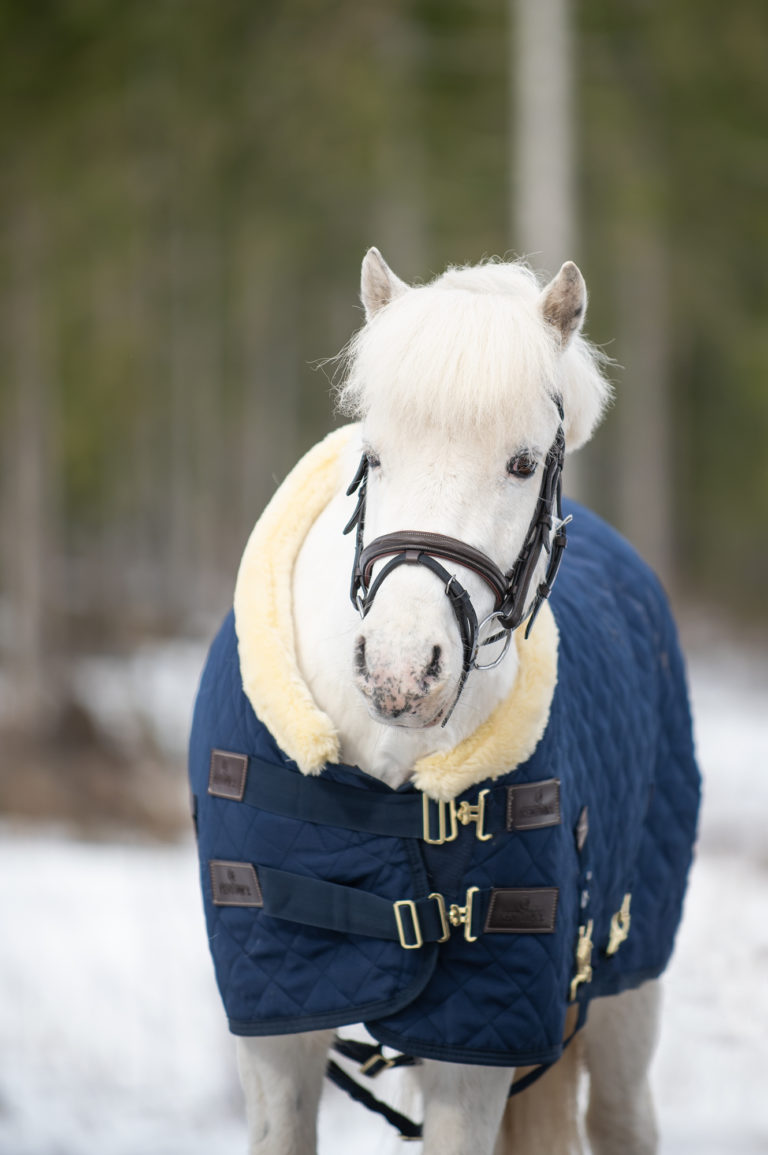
column 455, row 380
column 479, row 488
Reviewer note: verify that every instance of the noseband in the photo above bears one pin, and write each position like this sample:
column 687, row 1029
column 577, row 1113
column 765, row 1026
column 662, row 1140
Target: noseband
column 510, row 590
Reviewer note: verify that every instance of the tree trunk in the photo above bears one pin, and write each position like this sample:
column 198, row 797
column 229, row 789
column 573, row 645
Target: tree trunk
column 543, row 210
column 27, row 549
column 642, row 405
column 542, row 186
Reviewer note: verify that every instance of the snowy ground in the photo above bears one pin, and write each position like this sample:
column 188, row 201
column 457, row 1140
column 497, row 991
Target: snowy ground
column 112, row 1038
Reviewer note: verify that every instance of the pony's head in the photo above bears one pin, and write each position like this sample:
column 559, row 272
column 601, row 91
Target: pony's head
column 463, row 387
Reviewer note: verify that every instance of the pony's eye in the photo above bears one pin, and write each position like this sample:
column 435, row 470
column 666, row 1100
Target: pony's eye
column 522, row 465
column 373, row 459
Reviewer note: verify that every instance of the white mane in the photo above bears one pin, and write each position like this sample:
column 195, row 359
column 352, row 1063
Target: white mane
column 472, row 350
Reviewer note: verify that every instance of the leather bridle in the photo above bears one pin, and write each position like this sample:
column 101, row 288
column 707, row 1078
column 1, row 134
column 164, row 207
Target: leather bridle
column 510, row 590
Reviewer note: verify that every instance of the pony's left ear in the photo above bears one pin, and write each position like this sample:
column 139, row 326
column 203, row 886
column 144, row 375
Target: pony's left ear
column 584, row 390
column 378, row 284
column 563, row 302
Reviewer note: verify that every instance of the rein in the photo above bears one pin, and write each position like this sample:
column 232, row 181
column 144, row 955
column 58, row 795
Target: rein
column 510, row 590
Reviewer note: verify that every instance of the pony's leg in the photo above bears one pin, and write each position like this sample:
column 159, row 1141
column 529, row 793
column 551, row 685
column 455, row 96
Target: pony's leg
column 619, row 1041
column 463, row 1106
column 282, row 1079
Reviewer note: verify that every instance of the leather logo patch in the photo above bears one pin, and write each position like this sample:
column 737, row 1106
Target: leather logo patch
column 516, row 910
column 532, row 805
column 228, row 774
column 235, row 884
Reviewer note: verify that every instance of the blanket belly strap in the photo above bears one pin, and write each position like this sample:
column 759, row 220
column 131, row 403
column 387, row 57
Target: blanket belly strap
column 411, row 922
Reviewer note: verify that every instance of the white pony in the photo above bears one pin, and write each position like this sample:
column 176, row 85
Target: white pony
column 456, row 386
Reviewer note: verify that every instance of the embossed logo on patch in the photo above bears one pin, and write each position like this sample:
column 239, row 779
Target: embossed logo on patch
column 235, row 884
column 228, row 774
column 518, row 910
column 533, row 804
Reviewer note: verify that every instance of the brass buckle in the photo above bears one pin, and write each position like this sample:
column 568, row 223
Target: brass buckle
column 443, row 916
column 411, row 905
column 620, row 923
column 467, row 813
column 583, row 959
column 462, row 915
column 443, row 808
column 375, row 1065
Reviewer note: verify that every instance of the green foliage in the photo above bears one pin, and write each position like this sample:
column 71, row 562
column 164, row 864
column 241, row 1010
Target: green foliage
column 204, row 179
column 674, row 127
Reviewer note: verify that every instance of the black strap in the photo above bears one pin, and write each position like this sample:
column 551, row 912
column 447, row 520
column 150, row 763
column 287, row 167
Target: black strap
column 537, row 539
column 406, row 1127
column 371, row 1057
column 372, row 1062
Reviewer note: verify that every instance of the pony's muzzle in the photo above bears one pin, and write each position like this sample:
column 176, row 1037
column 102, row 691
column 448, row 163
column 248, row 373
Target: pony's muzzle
column 401, row 689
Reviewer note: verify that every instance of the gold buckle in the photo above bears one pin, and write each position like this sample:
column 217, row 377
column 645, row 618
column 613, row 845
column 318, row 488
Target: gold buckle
column 408, row 902
column 467, row 813
column 620, row 923
column 375, row 1065
column 443, row 916
column 462, row 915
column 442, row 822
column 583, row 959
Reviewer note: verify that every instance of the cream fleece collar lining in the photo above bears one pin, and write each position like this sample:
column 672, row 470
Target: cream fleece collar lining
column 272, row 680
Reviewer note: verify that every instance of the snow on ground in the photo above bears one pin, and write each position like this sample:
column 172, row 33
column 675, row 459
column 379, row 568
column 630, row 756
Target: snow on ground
column 112, row 1038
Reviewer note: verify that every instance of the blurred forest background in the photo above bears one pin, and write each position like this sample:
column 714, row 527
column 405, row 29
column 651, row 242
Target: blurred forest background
column 186, row 192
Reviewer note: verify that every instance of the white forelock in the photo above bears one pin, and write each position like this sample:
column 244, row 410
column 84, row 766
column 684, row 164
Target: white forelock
column 471, row 350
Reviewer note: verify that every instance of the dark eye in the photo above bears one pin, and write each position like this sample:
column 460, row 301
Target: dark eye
column 372, row 459
column 522, row 465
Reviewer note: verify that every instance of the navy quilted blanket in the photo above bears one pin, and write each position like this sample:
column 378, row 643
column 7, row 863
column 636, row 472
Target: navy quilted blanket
column 620, row 784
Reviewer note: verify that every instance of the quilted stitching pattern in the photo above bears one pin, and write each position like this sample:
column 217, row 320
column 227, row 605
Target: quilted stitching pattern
column 261, row 962
column 619, row 740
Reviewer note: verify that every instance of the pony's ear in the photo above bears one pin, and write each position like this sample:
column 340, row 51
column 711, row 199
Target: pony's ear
column 378, row 284
column 563, row 302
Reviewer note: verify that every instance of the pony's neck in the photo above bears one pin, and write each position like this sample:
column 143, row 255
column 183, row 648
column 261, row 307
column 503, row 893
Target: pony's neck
column 326, row 625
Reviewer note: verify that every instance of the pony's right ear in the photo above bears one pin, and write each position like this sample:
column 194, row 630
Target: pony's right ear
column 378, row 284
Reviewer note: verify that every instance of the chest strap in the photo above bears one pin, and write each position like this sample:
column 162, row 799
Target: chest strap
column 372, row 810
column 411, row 922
